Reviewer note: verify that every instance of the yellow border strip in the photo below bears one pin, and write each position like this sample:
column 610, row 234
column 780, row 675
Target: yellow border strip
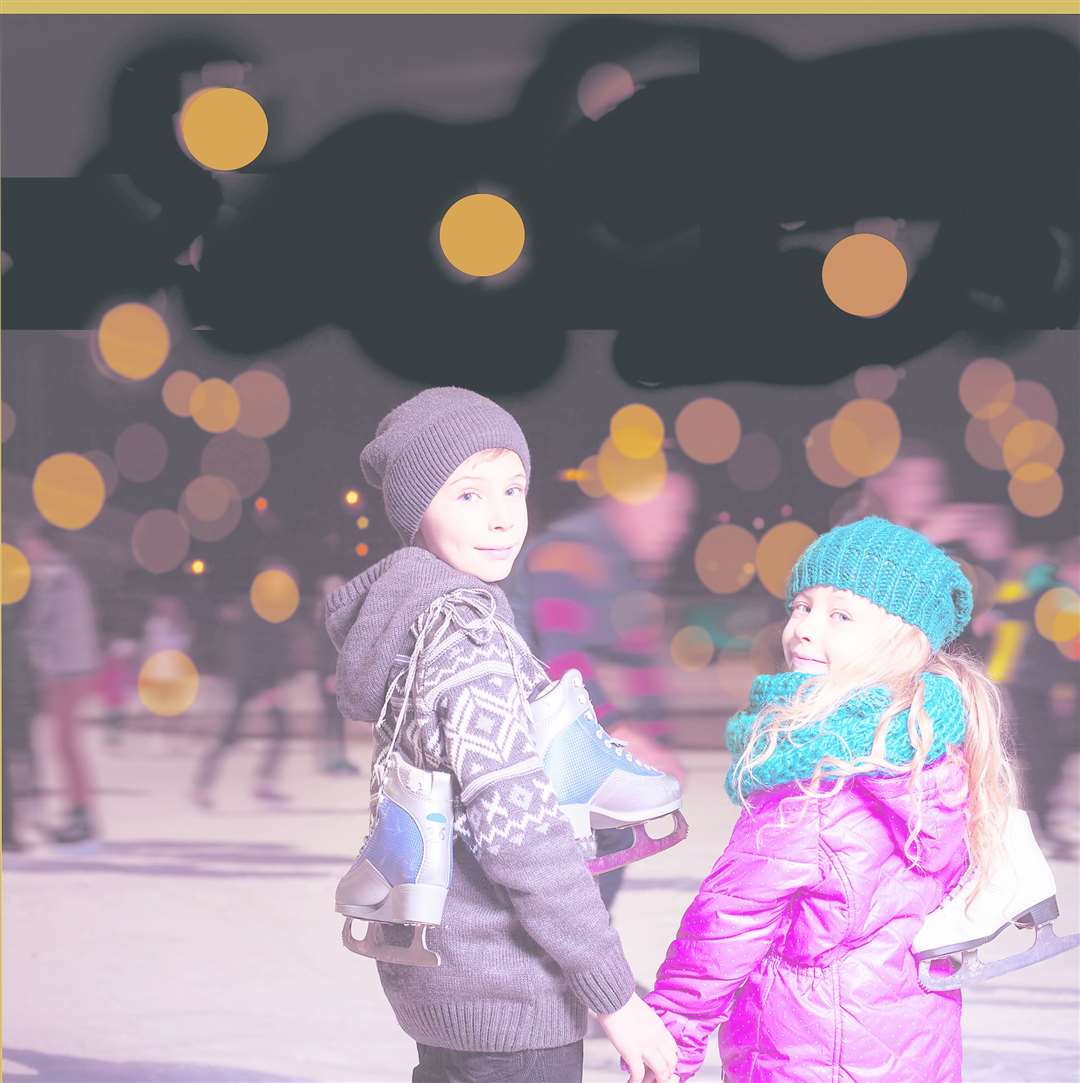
column 543, row 7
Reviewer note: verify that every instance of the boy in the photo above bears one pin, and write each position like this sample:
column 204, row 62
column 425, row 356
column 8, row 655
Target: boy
column 525, row 940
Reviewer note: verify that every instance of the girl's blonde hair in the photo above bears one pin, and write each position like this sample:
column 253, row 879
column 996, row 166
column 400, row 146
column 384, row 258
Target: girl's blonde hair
column 895, row 659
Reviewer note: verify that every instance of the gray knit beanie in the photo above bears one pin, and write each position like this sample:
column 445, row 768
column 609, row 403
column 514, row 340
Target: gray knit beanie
column 420, row 443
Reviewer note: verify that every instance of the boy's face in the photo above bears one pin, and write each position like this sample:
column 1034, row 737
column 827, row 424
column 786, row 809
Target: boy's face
column 830, row 628
column 478, row 519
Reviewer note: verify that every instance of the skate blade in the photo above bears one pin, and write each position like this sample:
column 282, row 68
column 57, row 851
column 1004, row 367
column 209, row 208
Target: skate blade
column 644, row 845
column 416, row 953
column 973, row 971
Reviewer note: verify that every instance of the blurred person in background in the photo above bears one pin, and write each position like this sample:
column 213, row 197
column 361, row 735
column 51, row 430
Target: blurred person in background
column 577, row 595
column 20, row 704
column 122, row 619
column 254, row 655
column 335, row 760
column 62, row 639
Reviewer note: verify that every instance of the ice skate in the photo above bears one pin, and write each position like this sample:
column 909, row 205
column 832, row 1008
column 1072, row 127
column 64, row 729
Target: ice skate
column 1021, row 892
column 402, row 874
column 596, row 780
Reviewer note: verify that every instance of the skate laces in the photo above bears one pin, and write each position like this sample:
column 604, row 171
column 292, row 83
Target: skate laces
column 615, row 744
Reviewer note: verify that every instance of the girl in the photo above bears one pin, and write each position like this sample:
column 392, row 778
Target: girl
column 868, row 775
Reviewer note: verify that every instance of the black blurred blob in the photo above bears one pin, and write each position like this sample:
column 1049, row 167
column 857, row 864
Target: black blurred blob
column 660, row 220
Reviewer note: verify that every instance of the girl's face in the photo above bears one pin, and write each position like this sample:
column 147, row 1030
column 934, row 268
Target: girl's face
column 830, row 628
column 478, row 519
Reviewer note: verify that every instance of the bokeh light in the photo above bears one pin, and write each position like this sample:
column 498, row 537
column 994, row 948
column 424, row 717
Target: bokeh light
column 767, row 651
column 264, row 403
column 876, row 381
column 106, row 468
column 7, row 422
column 820, row 457
column 981, row 444
column 1030, row 443
column 576, row 559
column 1057, row 615
column 168, row 683
column 361, row 549
column 69, row 492
column 602, row 88
column 223, row 128
column 177, row 390
column 864, row 275
column 1034, row 492
column 482, row 235
column 692, row 648
column 637, row 431
column 777, row 552
column 363, row 522
column 631, row 481
column 140, row 452
column 864, row 437
column 215, row 406
column 274, row 595
column 588, row 478
column 1003, row 423
column 210, row 496
column 160, row 541
column 987, row 387
column 1035, row 400
column 708, row 430
column 756, row 463
column 243, row 460
column 724, row 558
column 352, row 498
column 14, row 573
column 133, row 341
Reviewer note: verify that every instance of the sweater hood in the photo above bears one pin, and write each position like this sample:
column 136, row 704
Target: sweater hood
column 370, row 621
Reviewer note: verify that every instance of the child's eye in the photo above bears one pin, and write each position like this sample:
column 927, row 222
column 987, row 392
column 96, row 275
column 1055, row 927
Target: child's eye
column 840, row 615
column 513, row 490
column 800, row 605
column 467, row 495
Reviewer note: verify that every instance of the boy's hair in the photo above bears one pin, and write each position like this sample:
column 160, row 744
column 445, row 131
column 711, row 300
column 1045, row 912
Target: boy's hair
column 896, row 660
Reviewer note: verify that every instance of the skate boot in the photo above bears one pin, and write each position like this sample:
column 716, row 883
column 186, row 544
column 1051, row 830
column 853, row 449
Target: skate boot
column 1021, row 892
column 596, row 780
column 402, row 874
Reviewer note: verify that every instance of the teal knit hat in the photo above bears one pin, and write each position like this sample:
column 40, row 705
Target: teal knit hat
column 894, row 567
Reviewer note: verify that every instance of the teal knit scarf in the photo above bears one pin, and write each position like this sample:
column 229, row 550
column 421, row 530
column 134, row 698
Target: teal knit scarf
column 847, row 734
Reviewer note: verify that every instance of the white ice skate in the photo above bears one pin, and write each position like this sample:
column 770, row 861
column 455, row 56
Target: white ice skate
column 1021, row 891
column 402, row 873
column 596, row 780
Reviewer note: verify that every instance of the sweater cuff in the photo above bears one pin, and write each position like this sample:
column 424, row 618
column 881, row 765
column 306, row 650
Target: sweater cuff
column 605, row 987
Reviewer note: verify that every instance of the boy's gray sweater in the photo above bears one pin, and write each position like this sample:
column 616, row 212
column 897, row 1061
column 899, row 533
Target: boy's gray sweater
column 526, row 942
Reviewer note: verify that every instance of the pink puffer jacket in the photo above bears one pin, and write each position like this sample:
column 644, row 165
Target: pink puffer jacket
column 799, row 942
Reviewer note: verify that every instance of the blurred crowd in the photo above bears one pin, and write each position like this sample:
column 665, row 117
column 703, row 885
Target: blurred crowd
column 601, row 589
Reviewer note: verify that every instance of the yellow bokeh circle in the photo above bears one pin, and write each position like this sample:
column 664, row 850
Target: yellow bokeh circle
column 987, row 387
column 777, row 552
column 864, row 437
column 133, row 340
column 724, row 558
column 1033, row 442
column 15, row 572
column 168, row 683
column 864, row 275
column 1057, row 615
column 637, row 431
column 223, row 128
column 274, row 595
column 215, row 406
column 631, row 481
column 1035, row 493
column 69, row 490
column 692, row 648
column 708, row 430
column 177, row 390
column 482, row 235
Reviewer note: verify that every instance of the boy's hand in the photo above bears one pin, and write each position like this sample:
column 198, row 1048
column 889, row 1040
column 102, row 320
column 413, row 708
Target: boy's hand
column 642, row 1041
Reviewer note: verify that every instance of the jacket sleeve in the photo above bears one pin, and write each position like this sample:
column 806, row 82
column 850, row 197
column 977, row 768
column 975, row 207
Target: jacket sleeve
column 731, row 924
column 512, row 823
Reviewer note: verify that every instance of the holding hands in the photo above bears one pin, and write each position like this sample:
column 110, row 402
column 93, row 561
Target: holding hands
column 647, row 1049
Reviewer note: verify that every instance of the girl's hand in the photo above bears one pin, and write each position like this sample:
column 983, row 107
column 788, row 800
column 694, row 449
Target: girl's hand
column 642, row 1041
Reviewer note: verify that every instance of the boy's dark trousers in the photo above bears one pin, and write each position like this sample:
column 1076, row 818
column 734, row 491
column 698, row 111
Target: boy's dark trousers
column 562, row 1064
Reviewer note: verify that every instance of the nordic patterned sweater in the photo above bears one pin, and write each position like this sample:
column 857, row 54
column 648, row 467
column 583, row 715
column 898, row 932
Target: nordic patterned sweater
column 526, row 942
